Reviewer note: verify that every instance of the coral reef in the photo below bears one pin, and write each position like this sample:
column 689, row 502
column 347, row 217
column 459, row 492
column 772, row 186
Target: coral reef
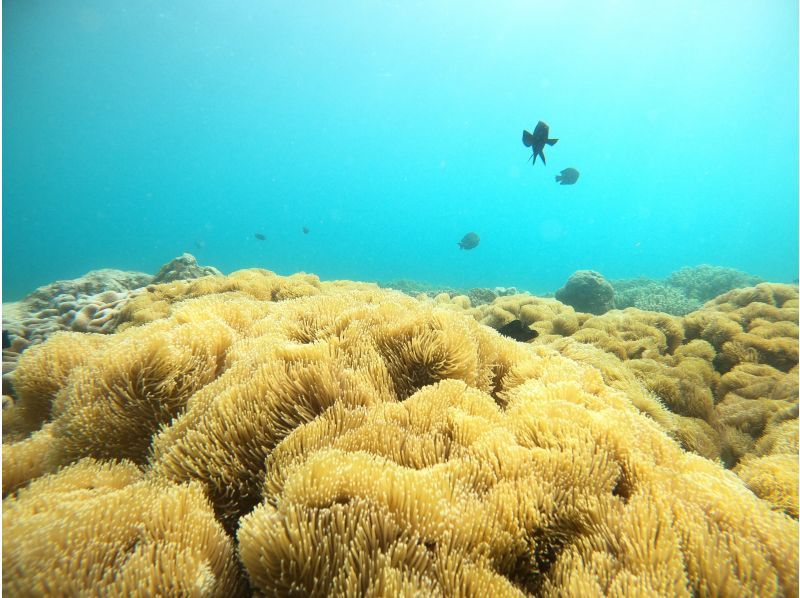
column 703, row 283
column 587, row 291
column 158, row 300
column 91, row 283
column 652, row 295
column 477, row 296
column 86, row 304
column 184, row 267
column 714, row 379
column 358, row 441
column 91, row 303
column 101, row 529
column 682, row 292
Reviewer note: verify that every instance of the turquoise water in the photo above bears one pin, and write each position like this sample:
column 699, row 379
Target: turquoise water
column 135, row 131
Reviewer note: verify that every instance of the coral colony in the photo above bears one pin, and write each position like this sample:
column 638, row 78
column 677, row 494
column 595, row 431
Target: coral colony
column 201, row 434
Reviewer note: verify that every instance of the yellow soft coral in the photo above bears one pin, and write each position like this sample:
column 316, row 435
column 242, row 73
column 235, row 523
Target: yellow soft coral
column 773, row 478
column 98, row 528
column 363, row 442
column 568, row 487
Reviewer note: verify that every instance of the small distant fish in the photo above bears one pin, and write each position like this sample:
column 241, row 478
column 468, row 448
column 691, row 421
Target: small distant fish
column 199, row 243
column 6, row 340
column 305, row 230
column 260, row 237
column 518, row 331
column 537, row 140
column 568, row 176
column 470, row 241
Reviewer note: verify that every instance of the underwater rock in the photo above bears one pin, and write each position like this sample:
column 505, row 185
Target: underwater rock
column 587, row 291
column 184, row 267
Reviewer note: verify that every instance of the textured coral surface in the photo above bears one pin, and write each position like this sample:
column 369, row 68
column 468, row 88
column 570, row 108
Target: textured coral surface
column 286, row 436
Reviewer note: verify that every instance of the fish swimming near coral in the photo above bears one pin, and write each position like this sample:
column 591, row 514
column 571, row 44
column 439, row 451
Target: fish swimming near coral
column 305, row 230
column 470, row 241
column 568, row 176
column 260, row 237
column 518, row 331
column 537, row 140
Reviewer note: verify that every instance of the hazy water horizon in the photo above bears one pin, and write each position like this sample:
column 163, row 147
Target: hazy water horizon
column 136, row 132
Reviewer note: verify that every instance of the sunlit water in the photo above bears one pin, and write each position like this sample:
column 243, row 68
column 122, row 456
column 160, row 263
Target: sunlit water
column 135, row 131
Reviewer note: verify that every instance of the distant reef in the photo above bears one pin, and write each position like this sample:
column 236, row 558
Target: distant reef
column 90, row 303
column 589, row 291
column 476, row 295
column 257, row 434
column 682, row 291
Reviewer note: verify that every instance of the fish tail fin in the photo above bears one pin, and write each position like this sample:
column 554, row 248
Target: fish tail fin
column 551, row 141
column 541, row 153
column 558, row 178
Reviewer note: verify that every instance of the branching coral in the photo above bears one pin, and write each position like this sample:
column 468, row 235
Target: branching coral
column 652, row 295
column 704, row 282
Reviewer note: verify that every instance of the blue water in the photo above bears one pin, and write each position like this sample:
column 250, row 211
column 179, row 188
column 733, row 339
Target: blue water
column 135, row 131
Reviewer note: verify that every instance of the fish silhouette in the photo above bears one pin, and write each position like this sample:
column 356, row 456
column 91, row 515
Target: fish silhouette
column 518, row 331
column 537, row 140
column 260, row 237
column 470, row 241
column 568, row 176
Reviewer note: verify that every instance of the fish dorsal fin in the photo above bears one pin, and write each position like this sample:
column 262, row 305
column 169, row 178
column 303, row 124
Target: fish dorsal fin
column 527, row 138
column 551, row 141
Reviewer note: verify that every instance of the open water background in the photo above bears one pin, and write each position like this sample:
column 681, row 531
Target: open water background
column 135, row 131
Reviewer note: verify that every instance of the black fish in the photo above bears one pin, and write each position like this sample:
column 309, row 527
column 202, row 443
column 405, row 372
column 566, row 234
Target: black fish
column 568, row 176
column 518, row 331
column 470, row 241
column 305, row 230
column 537, row 140
column 260, row 237
column 6, row 340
